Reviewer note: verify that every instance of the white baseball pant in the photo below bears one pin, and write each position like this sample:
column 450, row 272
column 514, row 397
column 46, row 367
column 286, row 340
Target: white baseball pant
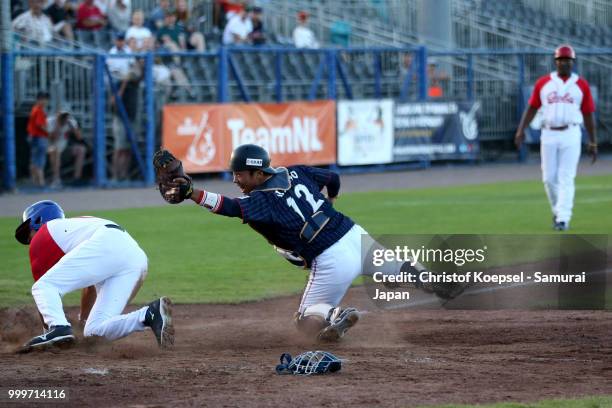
column 113, row 262
column 560, row 152
column 333, row 271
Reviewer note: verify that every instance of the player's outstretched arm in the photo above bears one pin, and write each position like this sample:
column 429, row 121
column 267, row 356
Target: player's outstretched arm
column 217, row 203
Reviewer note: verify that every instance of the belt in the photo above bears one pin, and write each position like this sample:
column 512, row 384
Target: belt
column 115, row 226
column 560, row 127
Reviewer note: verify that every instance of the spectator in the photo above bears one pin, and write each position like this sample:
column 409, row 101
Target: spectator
column 119, row 13
column 120, row 68
column 128, row 72
column 156, row 17
column 195, row 39
column 59, row 17
column 38, row 138
column 138, row 36
column 182, row 10
column 257, row 35
column 171, row 35
column 303, row 36
column 224, row 10
column 89, row 17
column 237, row 29
column 35, row 25
column 436, row 79
column 64, row 132
column 171, row 38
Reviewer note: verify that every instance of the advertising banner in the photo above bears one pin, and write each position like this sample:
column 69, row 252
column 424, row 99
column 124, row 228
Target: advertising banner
column 365, row 132
column 204, row 136
column 435, row 131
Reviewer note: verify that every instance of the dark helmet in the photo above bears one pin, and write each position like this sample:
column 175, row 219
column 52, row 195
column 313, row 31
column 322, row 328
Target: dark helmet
column 251, row 157
column 35, row 216
column 565, row 51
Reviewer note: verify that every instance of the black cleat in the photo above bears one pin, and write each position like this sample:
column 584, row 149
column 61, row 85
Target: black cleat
column 345, row 320
column 159, row 319
column 561, row 226
column 56, row 336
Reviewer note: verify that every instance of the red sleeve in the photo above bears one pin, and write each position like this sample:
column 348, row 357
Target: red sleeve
column 44, row 253
column 588, row 105
column 535, row 100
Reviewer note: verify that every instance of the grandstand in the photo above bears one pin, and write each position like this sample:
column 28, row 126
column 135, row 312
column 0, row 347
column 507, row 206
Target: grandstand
column 384, row 59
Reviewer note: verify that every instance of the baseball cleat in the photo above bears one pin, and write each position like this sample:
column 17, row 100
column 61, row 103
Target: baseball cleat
column 335, row 331
column 561, row 226
column 56, row 336
column 159, row 318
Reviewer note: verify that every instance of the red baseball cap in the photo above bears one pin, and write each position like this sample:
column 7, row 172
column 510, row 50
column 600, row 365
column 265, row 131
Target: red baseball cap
column 565, row 51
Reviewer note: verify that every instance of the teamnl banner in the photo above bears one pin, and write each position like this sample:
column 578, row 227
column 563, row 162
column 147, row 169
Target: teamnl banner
column 435, row 131
column 488, row 271
column 365, row 132
column 204, row 136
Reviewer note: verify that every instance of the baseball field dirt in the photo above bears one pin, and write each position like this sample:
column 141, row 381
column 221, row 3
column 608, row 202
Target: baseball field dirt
column 225, row 356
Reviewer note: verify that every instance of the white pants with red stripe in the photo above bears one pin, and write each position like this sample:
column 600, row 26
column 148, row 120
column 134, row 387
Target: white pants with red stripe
column 333, row 271
column 560, row 152
column 113, row 262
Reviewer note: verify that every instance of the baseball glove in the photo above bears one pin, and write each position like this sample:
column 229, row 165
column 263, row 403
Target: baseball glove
column 174, row 184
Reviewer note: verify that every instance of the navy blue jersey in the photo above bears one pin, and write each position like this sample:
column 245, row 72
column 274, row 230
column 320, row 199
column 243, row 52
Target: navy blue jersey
column 279, row 214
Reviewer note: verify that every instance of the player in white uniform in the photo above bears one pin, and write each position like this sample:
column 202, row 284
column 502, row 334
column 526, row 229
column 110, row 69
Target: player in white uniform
column 95, row 255
column 566, row 103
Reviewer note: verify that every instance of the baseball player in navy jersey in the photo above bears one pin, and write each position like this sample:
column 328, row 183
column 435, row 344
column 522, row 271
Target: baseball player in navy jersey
column 287, row 207
column 95, row 255
column 566, row 103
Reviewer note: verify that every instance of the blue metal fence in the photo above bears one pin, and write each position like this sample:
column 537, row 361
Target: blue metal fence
column 401, row 73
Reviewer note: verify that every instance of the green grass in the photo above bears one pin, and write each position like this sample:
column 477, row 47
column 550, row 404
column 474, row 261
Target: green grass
column 198, row 257
column 590, row 402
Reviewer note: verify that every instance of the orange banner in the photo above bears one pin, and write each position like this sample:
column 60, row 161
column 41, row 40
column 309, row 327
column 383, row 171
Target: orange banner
column 204, row 136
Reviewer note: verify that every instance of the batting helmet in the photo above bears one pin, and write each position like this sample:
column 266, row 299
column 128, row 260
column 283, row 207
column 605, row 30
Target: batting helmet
column 251, row 157
column 565, row 51
column 35, row 216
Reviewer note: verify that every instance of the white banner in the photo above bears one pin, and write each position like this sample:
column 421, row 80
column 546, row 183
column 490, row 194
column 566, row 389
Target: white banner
column 365, row 132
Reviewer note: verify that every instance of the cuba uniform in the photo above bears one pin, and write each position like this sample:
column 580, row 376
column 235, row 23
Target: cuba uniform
column 564, row 101
column 67, row 254
column 290, row 211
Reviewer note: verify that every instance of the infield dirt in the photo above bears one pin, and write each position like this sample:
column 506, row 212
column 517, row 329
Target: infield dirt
column 225, row 356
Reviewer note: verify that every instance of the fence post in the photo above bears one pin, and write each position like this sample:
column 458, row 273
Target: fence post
column 422, row 57
column 222, row 89
column 8, row 122
column 377, row 74
column 470, row 77
column 278, row 77
column 523, row 151
column 99, row 112
column 331, row 74
column 149, row 176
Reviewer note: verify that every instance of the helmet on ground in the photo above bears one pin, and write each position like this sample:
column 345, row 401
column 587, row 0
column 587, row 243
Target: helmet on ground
column 35, row 216
column 251, row 157
column 565, row 51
